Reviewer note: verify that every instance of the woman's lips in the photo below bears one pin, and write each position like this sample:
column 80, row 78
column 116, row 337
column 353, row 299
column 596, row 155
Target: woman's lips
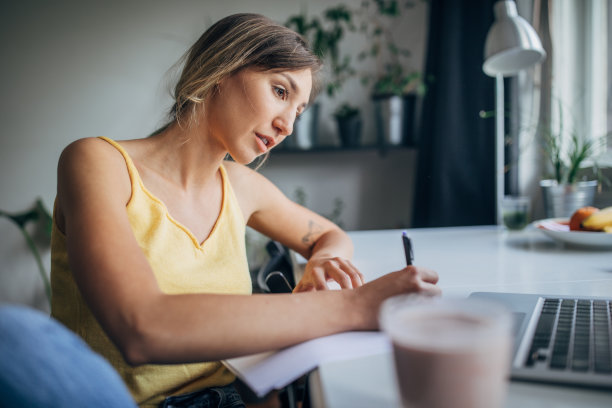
column 265, row 142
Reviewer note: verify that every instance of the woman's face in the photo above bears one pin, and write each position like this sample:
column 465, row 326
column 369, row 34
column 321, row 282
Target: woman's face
column 253, row 111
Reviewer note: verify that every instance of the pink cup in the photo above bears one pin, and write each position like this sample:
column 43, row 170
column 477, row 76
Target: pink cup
column 449, row 352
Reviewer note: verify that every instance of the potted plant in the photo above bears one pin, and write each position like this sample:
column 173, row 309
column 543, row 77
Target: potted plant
column 395, row 88
column 348, row 119
column 42, row 218
column 305, row 128
column 324, row 35
column 348, row 116
column 395, row 95
column 568, row 186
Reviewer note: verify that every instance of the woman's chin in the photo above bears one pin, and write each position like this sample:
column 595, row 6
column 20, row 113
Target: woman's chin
column 245, row 159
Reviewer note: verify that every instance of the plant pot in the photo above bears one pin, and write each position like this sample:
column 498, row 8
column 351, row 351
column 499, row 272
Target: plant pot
column 394, row 119
column 349, row 129
column 562, row 200
column 304, row 134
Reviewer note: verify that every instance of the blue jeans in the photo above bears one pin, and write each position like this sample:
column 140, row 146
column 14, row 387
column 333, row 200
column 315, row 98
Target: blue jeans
column 43, row 364
column 214, row 397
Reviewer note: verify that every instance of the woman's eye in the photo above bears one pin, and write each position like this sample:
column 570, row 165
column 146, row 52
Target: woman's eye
column 281, row 92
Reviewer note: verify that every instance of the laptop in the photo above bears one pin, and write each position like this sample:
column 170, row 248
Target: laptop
column 560, row 339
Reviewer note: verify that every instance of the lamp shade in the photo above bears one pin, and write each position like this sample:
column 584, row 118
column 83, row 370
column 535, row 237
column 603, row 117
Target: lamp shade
column 512, row 44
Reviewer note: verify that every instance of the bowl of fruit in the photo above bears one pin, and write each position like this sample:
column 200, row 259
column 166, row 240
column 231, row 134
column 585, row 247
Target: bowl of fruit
column 588, row 227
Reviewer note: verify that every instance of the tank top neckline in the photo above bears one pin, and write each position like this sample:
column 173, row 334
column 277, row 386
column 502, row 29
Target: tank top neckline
column 135, row 178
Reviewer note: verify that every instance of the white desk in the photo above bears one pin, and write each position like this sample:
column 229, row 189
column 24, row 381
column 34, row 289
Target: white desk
column 469, row 259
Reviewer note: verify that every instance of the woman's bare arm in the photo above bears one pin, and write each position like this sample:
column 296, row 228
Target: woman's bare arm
column 327, row 247
column 149, row 326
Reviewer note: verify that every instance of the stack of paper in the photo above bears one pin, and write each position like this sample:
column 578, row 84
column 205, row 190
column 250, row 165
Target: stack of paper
column 265, row 372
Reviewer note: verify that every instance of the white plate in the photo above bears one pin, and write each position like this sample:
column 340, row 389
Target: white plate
column 558, row 229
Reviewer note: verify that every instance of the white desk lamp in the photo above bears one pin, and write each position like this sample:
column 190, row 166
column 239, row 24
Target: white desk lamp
column 512, row 45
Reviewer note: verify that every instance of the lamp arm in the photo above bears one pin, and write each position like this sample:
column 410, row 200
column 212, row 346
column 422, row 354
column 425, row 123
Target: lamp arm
column 499, row 147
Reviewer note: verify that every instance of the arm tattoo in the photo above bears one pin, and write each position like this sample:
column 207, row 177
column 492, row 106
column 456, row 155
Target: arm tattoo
column 312, row 234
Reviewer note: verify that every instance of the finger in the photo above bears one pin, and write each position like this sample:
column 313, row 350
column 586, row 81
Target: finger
column 430, row 275
column 334, row 271
column 319, row 280
column 426, row 274
column 430, row 289
column 356, row 276
column 304, row 287
column 352, row 277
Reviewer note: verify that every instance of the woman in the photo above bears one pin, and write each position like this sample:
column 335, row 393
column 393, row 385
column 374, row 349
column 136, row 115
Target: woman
column 148, row 256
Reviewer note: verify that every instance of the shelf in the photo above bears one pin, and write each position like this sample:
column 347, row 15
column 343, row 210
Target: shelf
column 340, row 149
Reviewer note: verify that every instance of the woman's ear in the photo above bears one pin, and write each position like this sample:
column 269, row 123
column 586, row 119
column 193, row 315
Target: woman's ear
column 214, row 92
column 219, row 85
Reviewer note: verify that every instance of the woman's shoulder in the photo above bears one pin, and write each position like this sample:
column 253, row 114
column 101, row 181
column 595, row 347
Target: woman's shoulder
column 241, row 175
column 252, row 188
column 236, row 170
column 94, row 168
column 88, row 146
column 90, row 155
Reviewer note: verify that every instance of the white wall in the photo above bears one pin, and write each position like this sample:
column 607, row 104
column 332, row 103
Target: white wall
column 73, row 69
column 376, row 189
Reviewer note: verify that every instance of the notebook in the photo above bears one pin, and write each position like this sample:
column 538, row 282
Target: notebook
column 560, row 339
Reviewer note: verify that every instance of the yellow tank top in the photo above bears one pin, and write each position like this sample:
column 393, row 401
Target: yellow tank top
column 180, row 264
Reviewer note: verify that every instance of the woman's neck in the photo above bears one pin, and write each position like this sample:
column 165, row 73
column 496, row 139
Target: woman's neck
column 185, row 155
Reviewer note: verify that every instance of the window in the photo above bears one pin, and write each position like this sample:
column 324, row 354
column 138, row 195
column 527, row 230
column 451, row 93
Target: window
column 581, row 88
column 575, row 79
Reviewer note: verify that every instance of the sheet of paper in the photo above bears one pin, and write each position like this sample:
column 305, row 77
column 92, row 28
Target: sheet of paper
column 265, row 372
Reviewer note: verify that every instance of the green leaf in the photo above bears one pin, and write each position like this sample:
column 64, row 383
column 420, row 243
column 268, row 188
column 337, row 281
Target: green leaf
column 38, row 213
column 346, row 110
column 22, row 218
column 44, row 216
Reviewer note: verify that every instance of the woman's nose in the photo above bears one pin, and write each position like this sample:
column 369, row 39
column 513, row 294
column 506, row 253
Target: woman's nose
column 284, row 124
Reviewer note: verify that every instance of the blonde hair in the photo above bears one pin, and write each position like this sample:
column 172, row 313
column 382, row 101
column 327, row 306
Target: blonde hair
column 233, row 43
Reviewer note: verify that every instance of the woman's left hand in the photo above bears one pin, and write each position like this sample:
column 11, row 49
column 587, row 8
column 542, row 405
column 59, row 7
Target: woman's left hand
column 320, row 270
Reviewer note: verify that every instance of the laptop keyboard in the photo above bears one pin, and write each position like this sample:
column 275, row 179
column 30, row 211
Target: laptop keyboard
column 573, row 334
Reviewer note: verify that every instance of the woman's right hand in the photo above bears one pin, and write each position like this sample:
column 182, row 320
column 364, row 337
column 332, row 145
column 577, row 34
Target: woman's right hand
column 411, row 279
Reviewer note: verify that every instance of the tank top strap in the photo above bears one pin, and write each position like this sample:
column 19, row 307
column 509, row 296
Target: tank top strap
column 131, row 167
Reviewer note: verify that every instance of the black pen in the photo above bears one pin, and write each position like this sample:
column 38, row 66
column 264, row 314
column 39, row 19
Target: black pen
column 407, row 248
